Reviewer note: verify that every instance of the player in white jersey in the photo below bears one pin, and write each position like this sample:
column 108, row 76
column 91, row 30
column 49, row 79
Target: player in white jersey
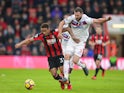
column 80, row 24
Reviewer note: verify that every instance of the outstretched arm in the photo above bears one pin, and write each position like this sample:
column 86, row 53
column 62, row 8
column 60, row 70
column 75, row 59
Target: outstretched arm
column 101, row 20
column 24, row 42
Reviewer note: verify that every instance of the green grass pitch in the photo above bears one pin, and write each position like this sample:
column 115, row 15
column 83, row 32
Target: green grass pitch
column 12, row 81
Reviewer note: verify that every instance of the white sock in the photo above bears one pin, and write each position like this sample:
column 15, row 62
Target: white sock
column 71, row 64
column 66, row 69
column 81, row 64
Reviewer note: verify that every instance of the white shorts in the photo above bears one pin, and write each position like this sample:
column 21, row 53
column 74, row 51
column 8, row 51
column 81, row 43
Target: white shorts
column 75, row 48
column 65, row 39
column 64, row 44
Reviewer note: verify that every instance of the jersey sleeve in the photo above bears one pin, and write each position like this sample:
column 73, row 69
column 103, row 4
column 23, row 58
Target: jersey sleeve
column 91, row 38
column 37, row 37
column 55, row 33
column 89, row 20
column 65, row 25
column 69, row 19
column 106, row 38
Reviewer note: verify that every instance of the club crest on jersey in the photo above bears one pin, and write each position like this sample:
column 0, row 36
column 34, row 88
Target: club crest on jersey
column 51, row 41
column 65, row 36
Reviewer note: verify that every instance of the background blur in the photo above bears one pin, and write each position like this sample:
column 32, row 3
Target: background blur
column 20, row 19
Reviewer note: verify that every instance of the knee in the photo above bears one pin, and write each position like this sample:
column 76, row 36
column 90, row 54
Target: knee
column 75, row 61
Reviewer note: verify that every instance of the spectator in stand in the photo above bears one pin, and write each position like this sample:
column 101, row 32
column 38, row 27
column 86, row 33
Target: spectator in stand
column 96, row 10
column 9, row 32
column 71, row 6
column 2, row 49
column 25, row 31
column 79, row 3
column 8, row 16
column 2, row 39
column 10, row 47
column 3, row 23
column 87, row 8
column 40, row 11
column 32, row 15
column 42, row 50
column 56, row 12
column 25, row 51
column 111, row 6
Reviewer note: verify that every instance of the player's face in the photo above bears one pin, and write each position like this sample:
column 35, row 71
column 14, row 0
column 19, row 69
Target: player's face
column 78, row 15
column 45, row 31
column 98, row 30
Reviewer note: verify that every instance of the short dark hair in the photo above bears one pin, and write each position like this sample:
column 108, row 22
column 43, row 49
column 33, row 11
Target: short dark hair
column 78, row 9
column 44, row 25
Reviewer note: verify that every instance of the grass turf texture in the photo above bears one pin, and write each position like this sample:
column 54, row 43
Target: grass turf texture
column 12, row 81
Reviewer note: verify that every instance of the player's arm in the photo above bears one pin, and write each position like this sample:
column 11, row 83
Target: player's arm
column 72, row 34
column 61, row 24
column 101, row 20
column 106, row 43
column 60, row 28
column 24, row 42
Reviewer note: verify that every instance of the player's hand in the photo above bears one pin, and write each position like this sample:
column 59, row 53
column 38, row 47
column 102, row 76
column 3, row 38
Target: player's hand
column 76, row 39
column 17, row 46
column 59, row 35
column 109, row 18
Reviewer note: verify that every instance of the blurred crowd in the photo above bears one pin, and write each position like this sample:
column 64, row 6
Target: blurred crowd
column 20, row 19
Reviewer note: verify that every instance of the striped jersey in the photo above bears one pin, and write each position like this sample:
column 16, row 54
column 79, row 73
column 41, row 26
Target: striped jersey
column 99, row 39
column 51, row 43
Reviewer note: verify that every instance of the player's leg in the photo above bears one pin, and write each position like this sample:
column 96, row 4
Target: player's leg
column 76, row 60
column 71, row 65
column 77, row 55
column 68, row 54
column 56, row 76
column 59, row 64
column 97, row 62
column 67, row 57
column 97, row 59
column 53, row 68
column 66, row 66
column 54, row 73
column 103, row 70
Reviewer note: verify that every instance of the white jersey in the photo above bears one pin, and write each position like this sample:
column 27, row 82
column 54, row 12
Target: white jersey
column 66, row 36
column 80, row 28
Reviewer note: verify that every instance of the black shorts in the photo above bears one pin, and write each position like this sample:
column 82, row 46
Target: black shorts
column 112, row 64
column 55, row 62
column 98, row 57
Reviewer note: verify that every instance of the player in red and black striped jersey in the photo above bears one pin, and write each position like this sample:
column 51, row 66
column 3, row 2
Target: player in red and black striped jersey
column 99, row 41
column 53, row 48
